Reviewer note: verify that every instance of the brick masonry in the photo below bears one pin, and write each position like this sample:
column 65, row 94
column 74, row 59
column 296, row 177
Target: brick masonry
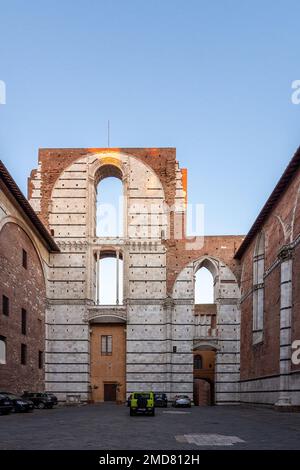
column 267, row 374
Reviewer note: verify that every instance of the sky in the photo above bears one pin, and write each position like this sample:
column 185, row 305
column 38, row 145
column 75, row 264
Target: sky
column 211, row 78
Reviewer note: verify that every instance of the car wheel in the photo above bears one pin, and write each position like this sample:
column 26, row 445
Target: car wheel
column 41, row 405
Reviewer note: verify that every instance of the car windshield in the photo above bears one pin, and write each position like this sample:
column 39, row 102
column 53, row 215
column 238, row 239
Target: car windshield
column 183, row 396
column 142, row 395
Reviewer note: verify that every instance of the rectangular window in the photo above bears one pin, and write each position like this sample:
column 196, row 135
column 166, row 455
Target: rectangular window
column 23, row 354
column 106, row 345
column 24, row 321
column 5, row 305
column 2, row 350
column 24, row 259
column 41, row 362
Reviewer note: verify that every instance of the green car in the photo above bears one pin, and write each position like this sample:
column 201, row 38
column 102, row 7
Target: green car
column 142, row 402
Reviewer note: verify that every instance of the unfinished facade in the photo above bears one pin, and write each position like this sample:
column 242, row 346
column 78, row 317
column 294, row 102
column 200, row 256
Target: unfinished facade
column 151, row 335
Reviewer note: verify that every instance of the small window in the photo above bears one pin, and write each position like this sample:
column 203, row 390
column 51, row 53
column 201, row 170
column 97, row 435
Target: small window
column 198, row 362
column 174, row 349
column 2, row 350
column 41, row 362
column 106, row 345
column 24, row 321
column 5, row 305
column 24, row 259
column 23, row 354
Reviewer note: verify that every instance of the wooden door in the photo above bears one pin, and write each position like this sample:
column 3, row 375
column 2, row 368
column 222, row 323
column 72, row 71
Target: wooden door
column 110, row 392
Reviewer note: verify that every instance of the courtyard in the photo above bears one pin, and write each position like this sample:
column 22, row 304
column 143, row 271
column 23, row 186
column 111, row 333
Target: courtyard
column 109, row 427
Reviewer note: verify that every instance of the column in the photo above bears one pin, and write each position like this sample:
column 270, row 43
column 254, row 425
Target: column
column 98, row 276
column 117, row 276
column 285, row 256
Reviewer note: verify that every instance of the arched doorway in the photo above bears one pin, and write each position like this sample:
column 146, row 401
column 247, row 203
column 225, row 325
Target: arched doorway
column 204, row 376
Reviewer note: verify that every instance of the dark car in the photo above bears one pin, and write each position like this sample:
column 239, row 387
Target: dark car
column 19, row 404
column 161, row 400
column 5, row 405
column 41, row 399
column 53, row 398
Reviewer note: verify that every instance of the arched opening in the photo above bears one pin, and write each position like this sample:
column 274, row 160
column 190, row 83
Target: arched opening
column 204, row 286
column 109, row 202
column 204, row 376
column 109, row 278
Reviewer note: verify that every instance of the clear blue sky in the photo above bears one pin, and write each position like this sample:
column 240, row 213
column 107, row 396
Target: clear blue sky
column 211, row 78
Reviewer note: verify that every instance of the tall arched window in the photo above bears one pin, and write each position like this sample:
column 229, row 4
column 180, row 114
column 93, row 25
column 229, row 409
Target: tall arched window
column 198, row 362
column 109, row 205
column 109, row 278
column 2, row 350
column 204, row 287
column 258, row 287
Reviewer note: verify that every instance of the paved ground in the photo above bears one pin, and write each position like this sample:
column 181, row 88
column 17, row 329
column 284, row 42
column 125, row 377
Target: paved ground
column 109, row 426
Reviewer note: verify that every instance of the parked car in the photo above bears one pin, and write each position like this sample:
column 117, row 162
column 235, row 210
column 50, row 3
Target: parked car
column 182, row 401
column 5, row 405
column 53, row 398
column 142, row 402
column 129, row 399
column 161, row 400
column 19, row 404
column 41, row 399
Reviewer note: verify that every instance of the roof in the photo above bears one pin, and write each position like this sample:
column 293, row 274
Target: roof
column 14, row 189
column 276, row 194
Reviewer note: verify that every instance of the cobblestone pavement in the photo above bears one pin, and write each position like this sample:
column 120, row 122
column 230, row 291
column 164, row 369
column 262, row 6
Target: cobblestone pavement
column 109, row 426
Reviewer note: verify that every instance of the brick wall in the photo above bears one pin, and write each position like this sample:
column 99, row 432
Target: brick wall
column 25, row 289
column 282, row 227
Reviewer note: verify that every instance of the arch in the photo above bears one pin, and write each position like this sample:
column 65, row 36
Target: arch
column 211, row 264
column 30, row 235
column 203, row 345
column 108, row 170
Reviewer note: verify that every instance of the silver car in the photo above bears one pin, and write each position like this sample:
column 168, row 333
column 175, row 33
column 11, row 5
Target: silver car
column 183, row 401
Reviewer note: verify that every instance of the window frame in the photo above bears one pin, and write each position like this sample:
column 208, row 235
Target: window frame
column 5, row 305
column 23, row 354
column 3, row 339
column 106, row 345
column 24, row 259
column 24, row 321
